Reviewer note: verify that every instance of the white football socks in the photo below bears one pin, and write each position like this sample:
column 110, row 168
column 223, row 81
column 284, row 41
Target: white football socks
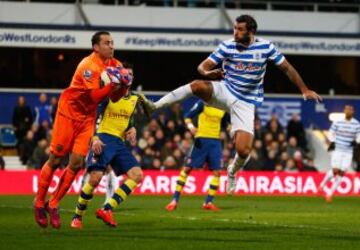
column 328, row 176
column 335, row 185
column 111, row 185
column 176, row 95
column 238, row 163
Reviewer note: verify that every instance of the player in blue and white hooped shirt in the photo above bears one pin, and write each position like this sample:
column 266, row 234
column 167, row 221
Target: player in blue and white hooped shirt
column 343, row 135
column 243, row 59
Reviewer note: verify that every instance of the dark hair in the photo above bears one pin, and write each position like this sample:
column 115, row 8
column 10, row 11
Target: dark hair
column 251, row 24
column 96, row 37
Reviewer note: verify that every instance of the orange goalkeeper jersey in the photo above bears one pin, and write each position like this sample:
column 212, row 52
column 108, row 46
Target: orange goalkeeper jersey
column 75, row 101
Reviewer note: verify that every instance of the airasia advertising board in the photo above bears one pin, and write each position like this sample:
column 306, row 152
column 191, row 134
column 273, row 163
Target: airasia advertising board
column 164, row 182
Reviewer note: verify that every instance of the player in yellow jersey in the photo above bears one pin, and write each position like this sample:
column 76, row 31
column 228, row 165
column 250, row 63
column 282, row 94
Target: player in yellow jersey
column 109, row 148
column 207, row 148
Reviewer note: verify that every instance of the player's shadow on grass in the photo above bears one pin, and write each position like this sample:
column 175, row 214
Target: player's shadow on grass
column 341, row 238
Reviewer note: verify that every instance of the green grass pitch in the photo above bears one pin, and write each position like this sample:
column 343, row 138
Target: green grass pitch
column 244, row 222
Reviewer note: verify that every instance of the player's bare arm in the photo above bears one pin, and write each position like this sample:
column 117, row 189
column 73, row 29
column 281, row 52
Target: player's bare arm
column 130, row 134
column 97, row 145
column 206, row 68
column 295, row 77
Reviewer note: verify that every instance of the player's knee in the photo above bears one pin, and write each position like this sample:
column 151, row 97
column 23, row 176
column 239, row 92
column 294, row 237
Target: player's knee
column 76, row 162
column 54, row 161
column 136, row 175
column 187, row 170
column 244, row 151
column 216, row 173
column 95, row 178
column 198, row 87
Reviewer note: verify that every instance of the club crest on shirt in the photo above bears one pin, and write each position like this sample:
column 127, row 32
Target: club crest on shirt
column 257, row 56
column 87, row 74
column 133, row 102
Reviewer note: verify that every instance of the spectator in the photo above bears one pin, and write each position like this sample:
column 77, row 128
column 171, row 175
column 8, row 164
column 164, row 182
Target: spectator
column 42, row 110
column 299, row 161
column 42, row 131
column 40, row 154
column 22, row 119
column 258, row 130
column 157, row 164
column 293, row 146
column 26, row 148
column 279, row 167
column 53, row 108
column 167, row 149
column 290, row 166
column 310, row 166
column 295, row 128
column 273, row 126
column 179, row 158
column 170, row 163
column 170, row 129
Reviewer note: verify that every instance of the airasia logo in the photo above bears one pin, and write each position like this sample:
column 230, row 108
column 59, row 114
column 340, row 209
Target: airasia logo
column 165, row 183
column 158, row 182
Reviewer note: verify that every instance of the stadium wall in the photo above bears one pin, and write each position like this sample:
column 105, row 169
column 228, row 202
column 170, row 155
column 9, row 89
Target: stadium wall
column 164, row 182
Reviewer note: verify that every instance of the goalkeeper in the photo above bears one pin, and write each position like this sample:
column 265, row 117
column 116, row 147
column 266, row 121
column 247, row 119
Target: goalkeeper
column 109, row 148
column 75, row 122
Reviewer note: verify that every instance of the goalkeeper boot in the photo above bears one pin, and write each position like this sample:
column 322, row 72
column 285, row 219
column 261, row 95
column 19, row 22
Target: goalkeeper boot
column 171, row 206
column 210, row 206
column 54, row 216
column 40, row 216
column 76, row 222
column 328, row 198
column 106, row 216
column 148, row 105
column 231, row 181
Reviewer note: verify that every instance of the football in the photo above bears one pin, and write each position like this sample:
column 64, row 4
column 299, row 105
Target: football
column 110, row 75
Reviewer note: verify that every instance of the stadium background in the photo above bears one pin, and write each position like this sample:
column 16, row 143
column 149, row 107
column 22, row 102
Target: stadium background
column 42, row 42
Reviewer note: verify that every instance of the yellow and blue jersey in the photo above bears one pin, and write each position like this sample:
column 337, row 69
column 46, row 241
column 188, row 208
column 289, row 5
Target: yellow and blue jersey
column 117, row 117
column 210, row 120
column 207, row 145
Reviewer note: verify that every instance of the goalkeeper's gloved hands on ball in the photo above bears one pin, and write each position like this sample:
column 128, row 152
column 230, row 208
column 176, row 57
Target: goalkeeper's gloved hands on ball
column 116, row 75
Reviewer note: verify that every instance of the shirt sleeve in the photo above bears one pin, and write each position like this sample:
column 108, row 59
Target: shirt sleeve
column 332, row 132
column 275, row 55
column 225, row 121
column 219, row 54
column 195, row 110
column 100, row 112
column 87, row 75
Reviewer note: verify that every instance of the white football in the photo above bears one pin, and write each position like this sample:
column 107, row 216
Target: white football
column 105, row 78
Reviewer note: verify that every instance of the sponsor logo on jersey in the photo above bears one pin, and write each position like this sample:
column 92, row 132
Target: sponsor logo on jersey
column 87, row 74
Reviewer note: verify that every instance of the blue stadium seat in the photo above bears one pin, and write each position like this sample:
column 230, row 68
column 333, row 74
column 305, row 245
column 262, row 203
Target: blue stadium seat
column 7, row 137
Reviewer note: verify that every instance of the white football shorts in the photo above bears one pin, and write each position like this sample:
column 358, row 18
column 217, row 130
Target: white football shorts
column 242, row 114
column 341, row 160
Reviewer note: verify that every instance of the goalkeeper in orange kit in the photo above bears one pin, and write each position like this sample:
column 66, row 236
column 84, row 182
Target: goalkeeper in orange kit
column 75, row 122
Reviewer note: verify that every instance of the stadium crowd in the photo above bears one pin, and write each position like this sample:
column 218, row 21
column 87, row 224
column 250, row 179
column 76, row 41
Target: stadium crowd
column 163, row 141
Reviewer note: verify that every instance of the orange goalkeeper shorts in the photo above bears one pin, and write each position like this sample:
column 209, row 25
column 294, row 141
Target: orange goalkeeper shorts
column 71, row 136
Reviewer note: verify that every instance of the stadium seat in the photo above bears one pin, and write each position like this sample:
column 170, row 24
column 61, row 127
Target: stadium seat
column 7, row 137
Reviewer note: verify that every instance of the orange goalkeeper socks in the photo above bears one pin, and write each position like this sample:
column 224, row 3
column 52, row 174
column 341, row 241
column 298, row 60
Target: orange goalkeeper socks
column 65, row 182
column 45, row 179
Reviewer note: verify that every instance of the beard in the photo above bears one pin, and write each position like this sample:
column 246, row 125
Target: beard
column 245, row 39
